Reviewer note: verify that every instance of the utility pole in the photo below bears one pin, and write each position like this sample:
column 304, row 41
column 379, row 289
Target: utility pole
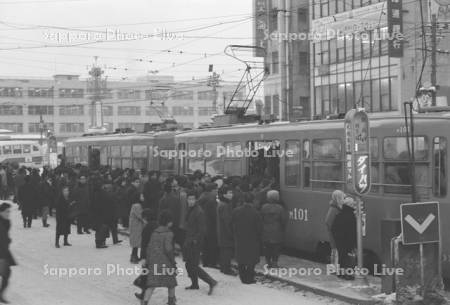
column 282, row 60
column 213, row 81
column 97, row 88
column 433, row 57
column 41, row 127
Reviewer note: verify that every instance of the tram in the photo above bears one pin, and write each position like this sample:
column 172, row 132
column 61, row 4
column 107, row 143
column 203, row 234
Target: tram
column 128, row 150
column 307, row 159
column 22, row 152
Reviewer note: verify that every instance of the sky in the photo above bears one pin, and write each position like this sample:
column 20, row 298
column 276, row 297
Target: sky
column 40, row 38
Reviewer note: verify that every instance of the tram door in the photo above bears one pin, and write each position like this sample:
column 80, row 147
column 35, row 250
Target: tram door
column 94, row 157
column 264, row 160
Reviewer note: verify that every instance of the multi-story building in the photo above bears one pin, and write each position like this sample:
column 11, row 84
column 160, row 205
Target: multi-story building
column 65, row 106
column 279, row 27
column 369, row 53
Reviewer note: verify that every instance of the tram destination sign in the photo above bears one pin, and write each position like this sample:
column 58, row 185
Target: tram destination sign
column 357, row 151
column 420, row 223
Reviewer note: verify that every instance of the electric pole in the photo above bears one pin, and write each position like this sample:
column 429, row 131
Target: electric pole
column 433, row 57
column 213, row 81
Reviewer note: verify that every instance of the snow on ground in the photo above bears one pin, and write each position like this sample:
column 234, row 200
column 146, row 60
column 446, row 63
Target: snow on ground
column 35, row 282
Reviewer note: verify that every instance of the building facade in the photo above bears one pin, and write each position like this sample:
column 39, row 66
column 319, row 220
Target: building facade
column 65, row 107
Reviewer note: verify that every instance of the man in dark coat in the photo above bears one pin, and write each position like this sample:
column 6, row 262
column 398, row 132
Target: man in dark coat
column 101, row 211
column 6, row 258
column 225, row 229
column 47, row 196
column 170, row 201
column 195, row 235
column 152, row 192
column 63, row 207
column 111, row 208
column 81, row 195
column 247, row 230
column 28, row 200
column 208, row 202
column 344, row 233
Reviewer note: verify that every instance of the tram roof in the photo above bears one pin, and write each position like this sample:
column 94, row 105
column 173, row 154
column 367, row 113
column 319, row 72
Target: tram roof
column 375, row 120
column 121, row 136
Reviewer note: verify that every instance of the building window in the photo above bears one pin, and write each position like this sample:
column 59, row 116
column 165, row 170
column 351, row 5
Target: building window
column 10, row 92
column 340, row 50
column 156, row 110
column 139, row 127
column 154, row 94
column 276, row 105
column 11, row 110
column 303, row 63
column 40, row 92
column 275, row 63
column 206, row 95
column 325, row 52
column 35, row 128
column 14, row 127
column 206, row 111
column 302, row 19
column 71, row 110
column 106, row 110
column 128, row 94
column 180, row 110
column 40, row 109
column 129, row 110
column 71, row 127
column 71, row 93
column 267, row 105
column 324, row 8
column 182, row 95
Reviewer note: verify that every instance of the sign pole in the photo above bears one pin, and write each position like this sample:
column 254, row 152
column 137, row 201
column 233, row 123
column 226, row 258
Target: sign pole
column 422, row 270
column 359, row 241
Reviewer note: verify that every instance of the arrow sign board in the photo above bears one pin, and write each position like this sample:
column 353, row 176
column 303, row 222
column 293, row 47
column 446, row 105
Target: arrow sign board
column 420, row 223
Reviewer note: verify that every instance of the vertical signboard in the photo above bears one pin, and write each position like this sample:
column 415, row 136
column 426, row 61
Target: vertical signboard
column 357, row 152
column 260, row 27
column 395, row 28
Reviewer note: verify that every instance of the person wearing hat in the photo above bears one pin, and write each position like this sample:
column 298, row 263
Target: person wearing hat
column 208, row 203
column 6, row 258
column 274, row 223
column 344, row 234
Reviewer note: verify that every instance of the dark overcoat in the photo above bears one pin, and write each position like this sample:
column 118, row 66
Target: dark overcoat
column 62, row 216
column 344, row 229
column 274, row 223
column 195, row 234
column 247, row 229
column 224, row 224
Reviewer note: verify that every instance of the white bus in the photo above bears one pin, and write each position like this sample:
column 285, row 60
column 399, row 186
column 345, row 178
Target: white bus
column 23, row 152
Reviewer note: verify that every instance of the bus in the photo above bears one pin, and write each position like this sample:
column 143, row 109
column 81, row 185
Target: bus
column 22, row 152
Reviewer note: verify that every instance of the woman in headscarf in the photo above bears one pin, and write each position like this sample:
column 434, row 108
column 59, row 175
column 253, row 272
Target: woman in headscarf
column 336, row 202
column 344, row 233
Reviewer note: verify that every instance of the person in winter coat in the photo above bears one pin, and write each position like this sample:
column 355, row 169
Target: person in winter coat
column 208, row 203
column 101, row 211
column 160, row 260
column 274, row 224
column 336, row 202
column 170, row 201
column 19, row 180
column 47, row 195
column 6, row 258
column 344, row 234
column 183, row 187
column 225, row 229
column 123, row 204
column 81, row 195
column 136, row 221
column 111, row 214
column 63, row 222
column 195, row 235
column 28, row 200
column 247, row 229
column 152, row 192
column 151, row 225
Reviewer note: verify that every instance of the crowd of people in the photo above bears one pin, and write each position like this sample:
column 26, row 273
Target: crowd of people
column 209, row 220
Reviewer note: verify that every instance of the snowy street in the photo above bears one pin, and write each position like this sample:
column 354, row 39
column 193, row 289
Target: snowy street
column 105, row 276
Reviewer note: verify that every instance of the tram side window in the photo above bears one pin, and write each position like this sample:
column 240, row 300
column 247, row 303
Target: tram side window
column 266, row 162
column 213, row 164
column 195, row 163
column 327, row 165
column 397, row 175
column 292, row 163
column 35, row 148
column 306, row 164
column 27, row 148
column 232, row 167
column 375, row 165
column 139, row 156
column 232, row 163
column 7, row 150
column 181, row 161
column 17, row 149
column 440, row 166
column 104, row 155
